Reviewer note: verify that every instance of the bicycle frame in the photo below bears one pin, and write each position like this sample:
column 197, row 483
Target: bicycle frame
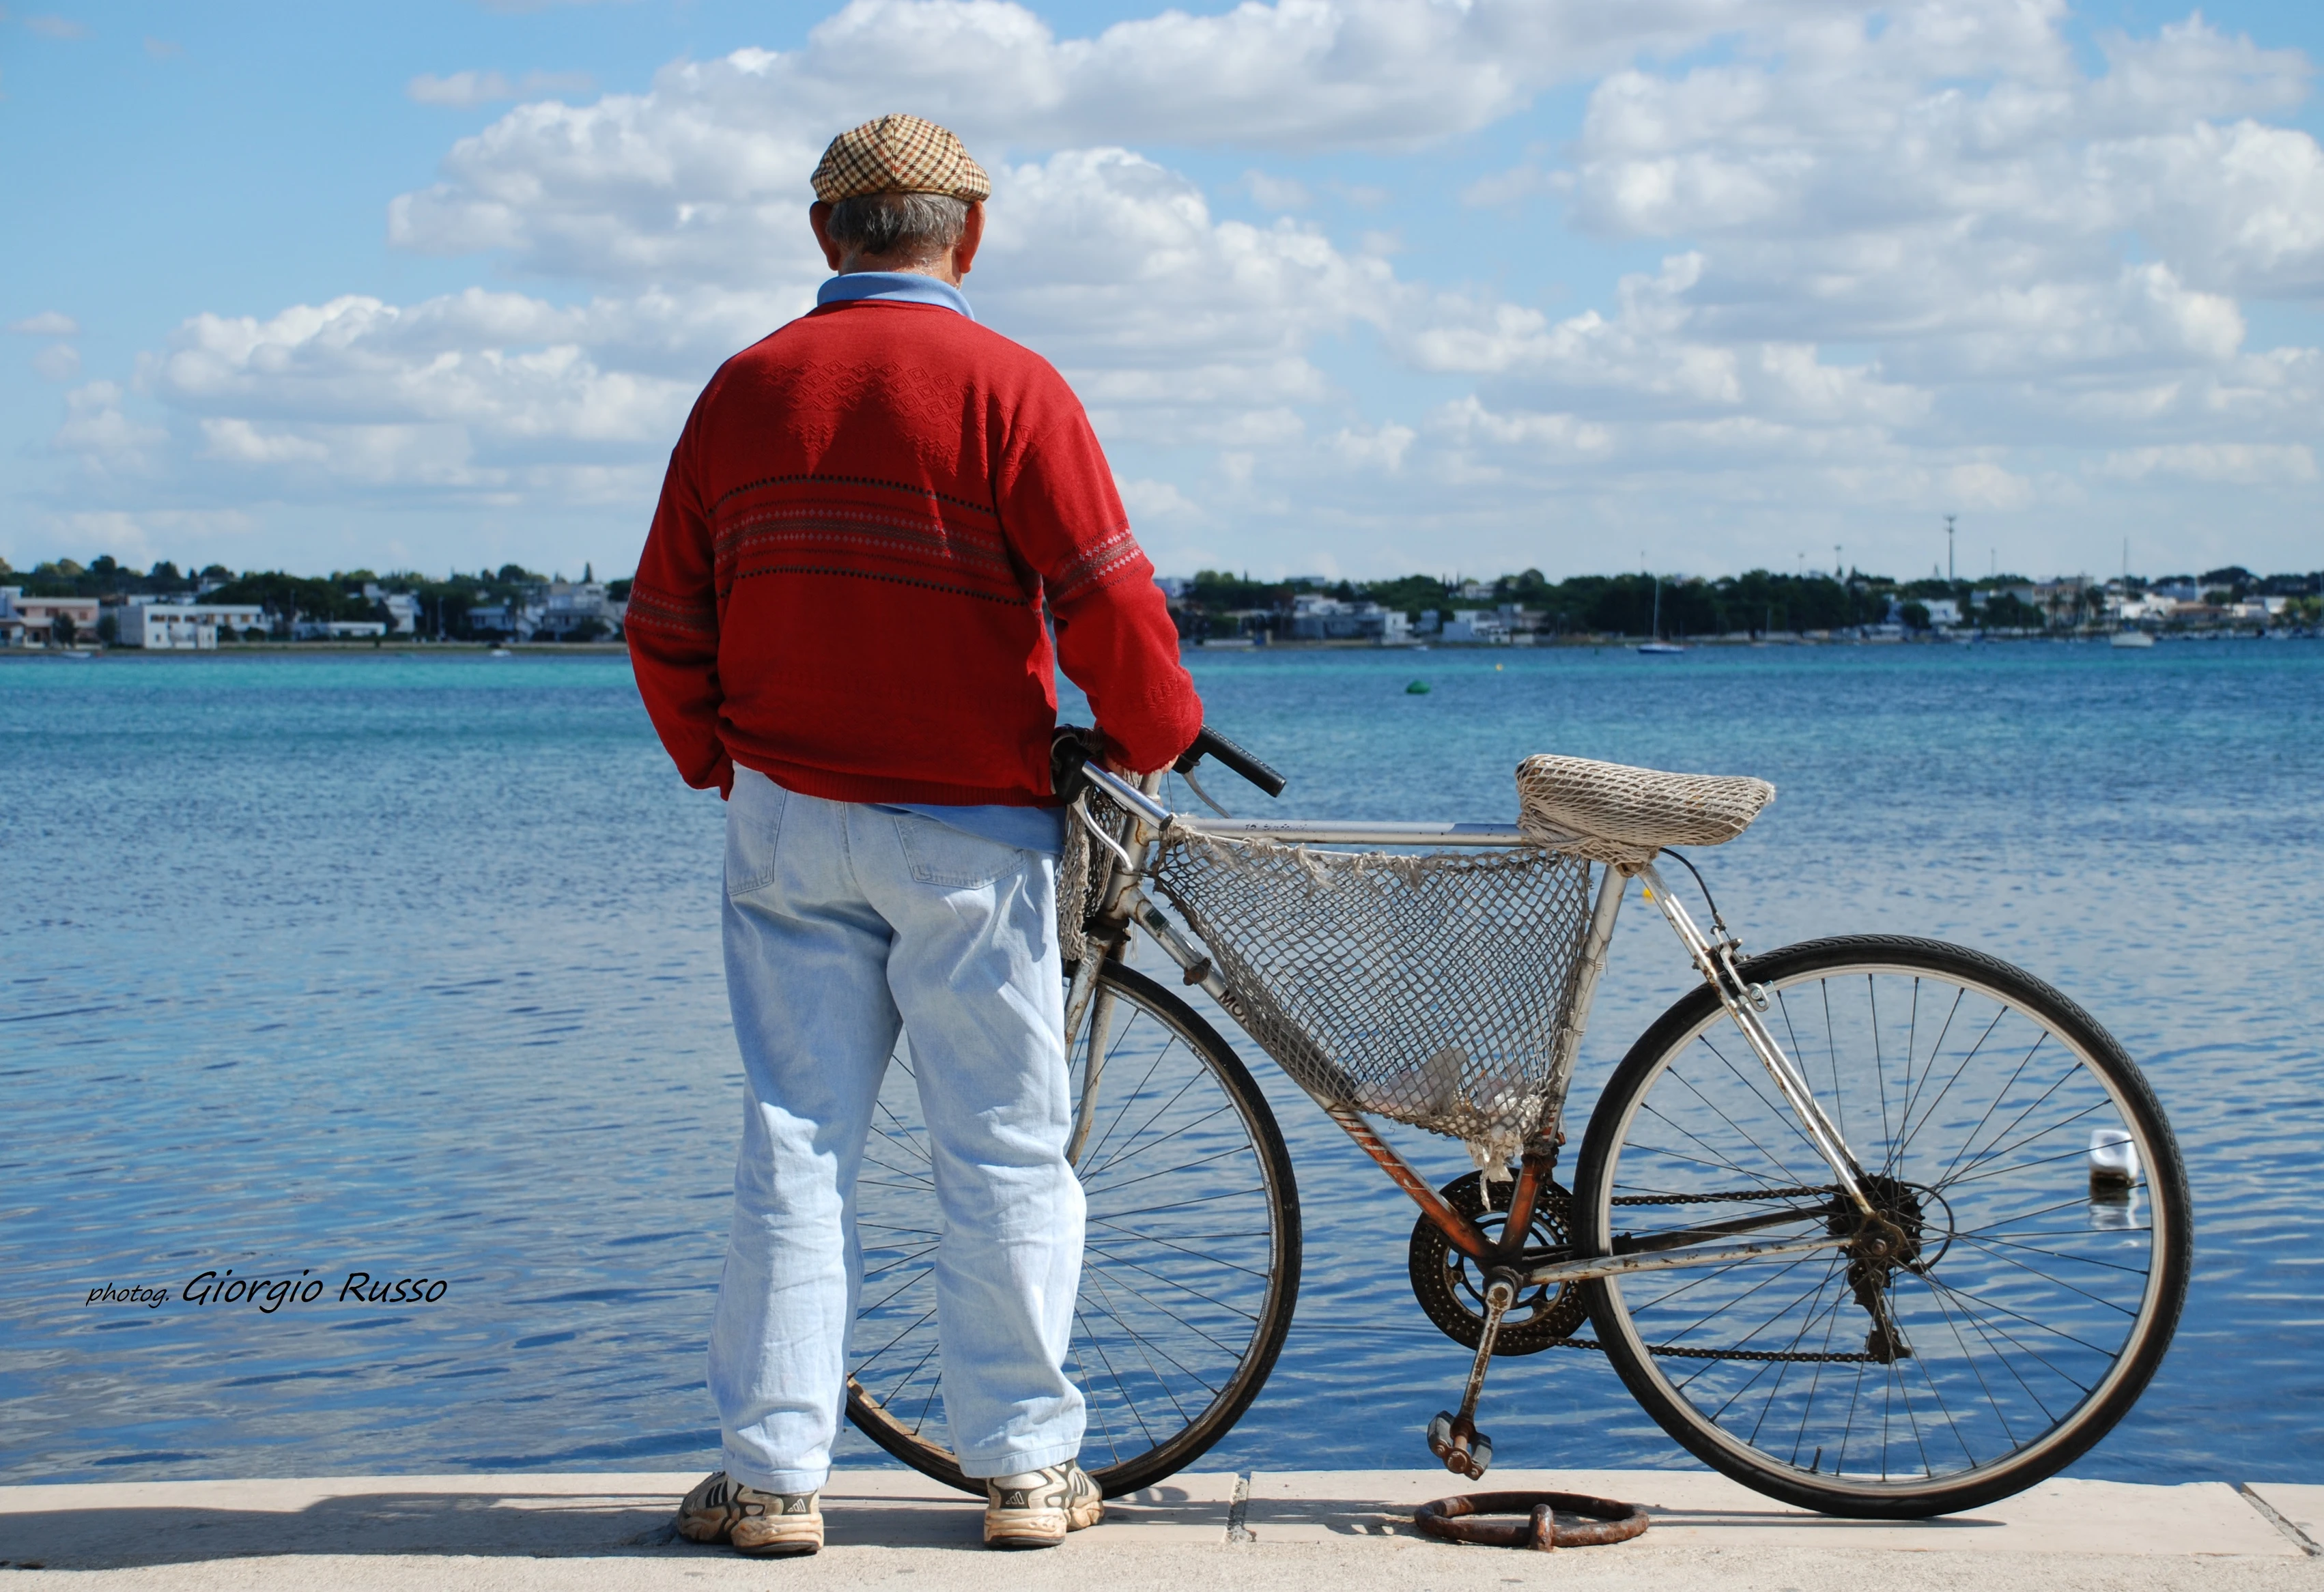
column 1126, row 903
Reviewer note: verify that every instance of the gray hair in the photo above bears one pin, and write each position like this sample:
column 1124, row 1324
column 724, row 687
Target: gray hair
column 913, row 226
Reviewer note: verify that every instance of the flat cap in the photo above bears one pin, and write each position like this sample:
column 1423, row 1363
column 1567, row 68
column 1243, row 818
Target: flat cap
column 899, row 154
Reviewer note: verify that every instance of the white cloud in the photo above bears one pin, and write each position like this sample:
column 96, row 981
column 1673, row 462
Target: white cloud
column 58, row 361
column 1514, row 186
column 104, row 439
column 1150, row 502
column 56, row 27
column 475, row 392
column 138, row 537
column 1957, row 188
column 49, row 323
column 1275, row 193
column 2239, row 464
column 466, row 89
column 702, row 173
column 1377, row 448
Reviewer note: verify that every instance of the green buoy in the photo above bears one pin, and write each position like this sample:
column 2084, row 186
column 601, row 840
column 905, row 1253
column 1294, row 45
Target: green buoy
column 1417, row 688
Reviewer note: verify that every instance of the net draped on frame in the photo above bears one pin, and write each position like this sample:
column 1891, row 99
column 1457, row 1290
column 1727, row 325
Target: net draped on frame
column 1426, row 988
column 1430, row 987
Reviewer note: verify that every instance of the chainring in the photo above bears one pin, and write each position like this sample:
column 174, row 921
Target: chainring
column 1450, row 1286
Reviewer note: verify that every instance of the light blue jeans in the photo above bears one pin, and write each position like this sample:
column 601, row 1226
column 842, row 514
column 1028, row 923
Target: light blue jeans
column 843, row 921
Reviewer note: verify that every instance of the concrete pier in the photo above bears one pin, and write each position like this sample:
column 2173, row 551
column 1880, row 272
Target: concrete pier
column 1266, row 1531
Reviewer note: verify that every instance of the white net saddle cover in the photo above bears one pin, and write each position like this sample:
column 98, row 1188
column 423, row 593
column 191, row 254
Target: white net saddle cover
column 1430, row 989
column 1611, row 813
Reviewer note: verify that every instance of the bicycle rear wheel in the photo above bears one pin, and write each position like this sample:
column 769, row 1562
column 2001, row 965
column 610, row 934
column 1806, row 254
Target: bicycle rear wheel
column 1189, row 1273
column 2025, row 1309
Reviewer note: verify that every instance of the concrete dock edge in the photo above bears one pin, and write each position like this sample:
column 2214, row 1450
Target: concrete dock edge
column 1280, row 1530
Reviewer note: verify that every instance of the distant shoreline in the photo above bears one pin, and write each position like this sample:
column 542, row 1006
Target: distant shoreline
column 1573, row 643
column 345, row 649
column 539, row 650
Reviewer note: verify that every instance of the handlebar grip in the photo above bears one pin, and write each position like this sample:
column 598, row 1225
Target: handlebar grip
column 1211, row 743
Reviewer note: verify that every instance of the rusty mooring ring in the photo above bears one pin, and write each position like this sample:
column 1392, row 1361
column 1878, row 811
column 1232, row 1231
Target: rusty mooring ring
column 1448, row 1520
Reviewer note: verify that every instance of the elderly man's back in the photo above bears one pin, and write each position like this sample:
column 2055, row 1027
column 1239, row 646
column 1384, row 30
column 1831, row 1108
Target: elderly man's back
column 863, row 516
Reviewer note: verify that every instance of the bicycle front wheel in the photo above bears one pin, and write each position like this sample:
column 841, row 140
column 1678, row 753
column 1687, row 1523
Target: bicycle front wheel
column 1190, row 1270
column 2041, row 1231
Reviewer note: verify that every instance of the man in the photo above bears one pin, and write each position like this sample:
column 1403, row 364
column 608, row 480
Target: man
column 838, row 622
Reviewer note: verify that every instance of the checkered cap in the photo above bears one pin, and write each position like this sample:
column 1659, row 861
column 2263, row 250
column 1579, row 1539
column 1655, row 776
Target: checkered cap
column 899, row 154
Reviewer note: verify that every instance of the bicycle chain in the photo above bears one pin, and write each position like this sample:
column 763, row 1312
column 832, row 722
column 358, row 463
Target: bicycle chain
column 1768, row 1356
column 1798, row 1193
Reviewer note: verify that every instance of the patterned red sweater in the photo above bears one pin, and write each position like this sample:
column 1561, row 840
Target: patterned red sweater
column 844, row 585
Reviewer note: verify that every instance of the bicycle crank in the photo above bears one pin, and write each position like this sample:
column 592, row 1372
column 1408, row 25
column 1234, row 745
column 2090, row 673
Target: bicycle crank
column 1451, row 1286
column 1455, row 1439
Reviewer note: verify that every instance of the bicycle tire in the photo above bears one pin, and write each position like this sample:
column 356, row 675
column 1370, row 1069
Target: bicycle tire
column 1179, row 1436
column 2045, row 1336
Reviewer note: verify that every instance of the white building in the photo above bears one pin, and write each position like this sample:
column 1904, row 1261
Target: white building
column 338, row 630
column 576, row 606
column 31, row 622
column 162, row 626
column 1477, row 625
column 402, row 608
column 1317, row 618
column 1944, row 612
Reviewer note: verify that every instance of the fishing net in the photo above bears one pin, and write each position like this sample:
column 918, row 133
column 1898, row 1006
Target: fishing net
column 1085, row 869
column 1430, row 989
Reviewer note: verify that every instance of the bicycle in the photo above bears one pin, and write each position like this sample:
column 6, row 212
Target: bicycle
column 1835, row 1220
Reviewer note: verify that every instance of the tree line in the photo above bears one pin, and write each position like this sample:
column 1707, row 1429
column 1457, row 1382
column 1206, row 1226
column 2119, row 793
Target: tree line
column 1219, row 601
column 444, row 603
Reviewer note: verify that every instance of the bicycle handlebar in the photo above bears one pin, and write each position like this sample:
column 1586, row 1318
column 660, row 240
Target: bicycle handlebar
column 1211, row 743
column 1072, row 747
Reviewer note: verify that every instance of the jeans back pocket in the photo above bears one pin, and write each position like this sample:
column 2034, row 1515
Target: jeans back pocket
column 940, row 854
column 754, row 826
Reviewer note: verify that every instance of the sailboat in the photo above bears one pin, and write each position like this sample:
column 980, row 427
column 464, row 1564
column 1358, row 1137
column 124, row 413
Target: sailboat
column 2129, row 635
column 1658, row 648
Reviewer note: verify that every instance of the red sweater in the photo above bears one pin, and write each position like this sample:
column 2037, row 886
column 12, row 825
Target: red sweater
column 844, row 585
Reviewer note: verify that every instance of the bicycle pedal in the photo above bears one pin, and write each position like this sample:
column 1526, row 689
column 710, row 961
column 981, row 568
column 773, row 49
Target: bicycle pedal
column 1465, row 1450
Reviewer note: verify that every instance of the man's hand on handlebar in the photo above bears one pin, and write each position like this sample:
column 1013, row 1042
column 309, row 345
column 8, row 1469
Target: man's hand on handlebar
column 1072, row 747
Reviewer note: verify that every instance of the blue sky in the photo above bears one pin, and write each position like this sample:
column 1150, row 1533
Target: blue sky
column 1359, row 286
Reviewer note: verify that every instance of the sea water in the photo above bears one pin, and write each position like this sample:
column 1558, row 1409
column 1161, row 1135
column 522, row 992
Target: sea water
column 408, row 966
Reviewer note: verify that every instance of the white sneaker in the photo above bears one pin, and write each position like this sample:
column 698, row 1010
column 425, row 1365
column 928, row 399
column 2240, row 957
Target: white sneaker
column 1037, row 1508
column 769, row 1526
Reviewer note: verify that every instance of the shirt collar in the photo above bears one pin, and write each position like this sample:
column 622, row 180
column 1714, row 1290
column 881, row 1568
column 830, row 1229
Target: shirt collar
column 893, row 287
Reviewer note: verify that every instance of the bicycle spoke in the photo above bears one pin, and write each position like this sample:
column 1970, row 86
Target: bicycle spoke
column 1973, row 1111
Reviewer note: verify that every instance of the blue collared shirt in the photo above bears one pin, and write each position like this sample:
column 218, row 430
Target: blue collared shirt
column 894, row 287
column 1030, row 829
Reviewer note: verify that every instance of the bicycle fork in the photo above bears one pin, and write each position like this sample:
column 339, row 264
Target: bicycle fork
column 1878, row 1243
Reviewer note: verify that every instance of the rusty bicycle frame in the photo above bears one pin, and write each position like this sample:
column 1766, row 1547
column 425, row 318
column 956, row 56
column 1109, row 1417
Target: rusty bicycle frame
column 1505, row 1267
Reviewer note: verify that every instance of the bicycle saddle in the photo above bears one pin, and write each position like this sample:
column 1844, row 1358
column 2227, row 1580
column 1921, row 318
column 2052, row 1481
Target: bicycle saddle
column 1611, row 813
